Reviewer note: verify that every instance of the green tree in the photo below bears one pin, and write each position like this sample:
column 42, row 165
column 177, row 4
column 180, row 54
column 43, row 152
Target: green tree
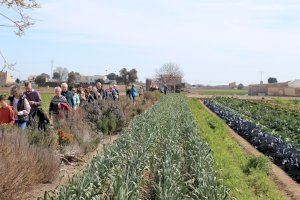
column 124, row 75
column 132, row 75
column 240, row 86
column 40, row 80
column 112, row 76
column 272, row 80
column 56, row 76
column 72, row 78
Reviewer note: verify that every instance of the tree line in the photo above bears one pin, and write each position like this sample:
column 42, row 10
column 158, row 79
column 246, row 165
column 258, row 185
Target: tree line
column 60, row 74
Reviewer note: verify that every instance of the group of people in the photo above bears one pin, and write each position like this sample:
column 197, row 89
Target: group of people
column 21, row 106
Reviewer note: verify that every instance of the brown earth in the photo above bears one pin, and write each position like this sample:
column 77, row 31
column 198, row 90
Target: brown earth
column 284, row 182
column 68, row 171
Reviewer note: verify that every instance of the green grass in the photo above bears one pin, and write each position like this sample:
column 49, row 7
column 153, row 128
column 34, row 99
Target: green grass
column 222, row 92
column 287, row 102
column 245, row 176
column 46, row 98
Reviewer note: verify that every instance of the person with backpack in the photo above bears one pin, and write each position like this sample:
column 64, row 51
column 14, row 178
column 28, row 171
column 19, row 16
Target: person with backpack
column 133, row 93
column 6, row 112
column 20, row 106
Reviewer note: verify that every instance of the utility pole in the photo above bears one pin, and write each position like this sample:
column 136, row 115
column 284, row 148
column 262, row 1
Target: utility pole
column 51, row 75
column 261, row 77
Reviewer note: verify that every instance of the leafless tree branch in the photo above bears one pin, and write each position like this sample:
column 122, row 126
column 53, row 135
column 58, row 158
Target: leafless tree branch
column 7, row 65
column 21, row 22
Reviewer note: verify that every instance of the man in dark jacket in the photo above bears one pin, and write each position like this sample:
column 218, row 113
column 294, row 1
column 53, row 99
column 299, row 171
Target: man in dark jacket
column 67, row 94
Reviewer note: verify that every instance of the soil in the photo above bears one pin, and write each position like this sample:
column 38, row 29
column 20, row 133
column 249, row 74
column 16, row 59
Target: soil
column 284, row 182
column 68, row 171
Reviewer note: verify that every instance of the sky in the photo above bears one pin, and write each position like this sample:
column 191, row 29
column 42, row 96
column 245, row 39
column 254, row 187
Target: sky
column 213, row 41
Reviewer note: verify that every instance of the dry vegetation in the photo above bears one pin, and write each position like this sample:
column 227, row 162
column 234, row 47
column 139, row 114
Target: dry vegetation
column 31, row 157
column 23, row 165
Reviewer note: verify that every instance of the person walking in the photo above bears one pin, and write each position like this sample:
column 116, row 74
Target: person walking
column 6, row 112
column 90, row 95
column 100, row 90
column 141, row 91
column 58, row 103
column 21, row 107
column 115, row 93
column 166, row 89
column 81, row 94
column 76, row 99
column 67, row 94
column 133, row 93
column 33, row 97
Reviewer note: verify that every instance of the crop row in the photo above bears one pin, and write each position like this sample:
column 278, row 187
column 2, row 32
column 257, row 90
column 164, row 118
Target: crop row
column 274, row 120
column 282, row 154
column 160, row 156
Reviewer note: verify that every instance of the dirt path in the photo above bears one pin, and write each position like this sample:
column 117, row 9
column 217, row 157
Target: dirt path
column 285, row 183
column 68, row 171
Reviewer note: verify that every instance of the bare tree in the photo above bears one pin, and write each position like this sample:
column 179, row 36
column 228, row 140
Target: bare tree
column 12, row 13
column 6, row 65
column 170, row 74
column 63, row 73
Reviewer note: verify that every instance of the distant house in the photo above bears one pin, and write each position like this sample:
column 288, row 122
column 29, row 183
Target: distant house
column 111, row 82
column 290, row 88
column 6, row 78
column 89, row 79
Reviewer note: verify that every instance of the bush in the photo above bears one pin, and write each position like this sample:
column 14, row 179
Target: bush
column 76, row 130
column 23, row 165
column 261, row 163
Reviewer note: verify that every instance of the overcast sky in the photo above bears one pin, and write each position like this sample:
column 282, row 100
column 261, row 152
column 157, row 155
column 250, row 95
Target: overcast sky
column 214, row 41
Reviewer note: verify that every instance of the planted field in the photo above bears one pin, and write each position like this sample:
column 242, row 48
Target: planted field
column 251, row 121
column 278, row 121
column 245, row 176
column 160, row 156
column 222, row 92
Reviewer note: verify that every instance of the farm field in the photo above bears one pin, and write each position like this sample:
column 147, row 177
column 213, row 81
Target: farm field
column 221, row 92
column 175, row 150
column 278, row 121
column 273, row 131
column 160, row 156
column 242, row 174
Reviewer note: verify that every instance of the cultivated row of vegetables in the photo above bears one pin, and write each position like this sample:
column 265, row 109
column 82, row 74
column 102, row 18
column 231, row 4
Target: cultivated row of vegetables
column 246, row 119
column 276, row 120
column 160, row 156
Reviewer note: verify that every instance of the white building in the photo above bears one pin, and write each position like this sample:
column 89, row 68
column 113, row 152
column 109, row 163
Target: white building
column 89, row 79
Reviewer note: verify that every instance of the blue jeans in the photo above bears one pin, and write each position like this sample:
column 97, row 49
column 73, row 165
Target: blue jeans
column 21, row 125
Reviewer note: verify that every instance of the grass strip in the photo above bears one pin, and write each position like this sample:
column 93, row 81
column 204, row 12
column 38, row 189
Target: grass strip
column 245, row 176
